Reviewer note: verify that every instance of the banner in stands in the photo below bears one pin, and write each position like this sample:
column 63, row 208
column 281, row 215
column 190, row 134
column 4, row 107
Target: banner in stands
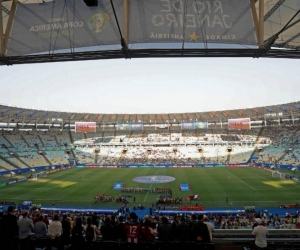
column 85, row 127
column 241, row 123
column 4, row 173
column 194, row 125
column 16, row 181
column 177, row 21
column 69, row 24
column 130, row 126
column 80, row 166
column 199, row 125
column 162, row 126
column 92, row 166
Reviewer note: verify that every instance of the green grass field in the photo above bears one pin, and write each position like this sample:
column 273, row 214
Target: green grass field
column 77, row 187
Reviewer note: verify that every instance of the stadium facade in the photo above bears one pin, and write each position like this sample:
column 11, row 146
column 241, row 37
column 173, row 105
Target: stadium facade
column 41, row 139
column 288, row 113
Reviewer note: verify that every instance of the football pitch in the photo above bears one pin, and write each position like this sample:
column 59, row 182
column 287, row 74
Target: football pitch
column 244, row 186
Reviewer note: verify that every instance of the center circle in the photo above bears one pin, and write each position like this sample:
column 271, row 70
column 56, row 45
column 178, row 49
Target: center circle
column 154, row 179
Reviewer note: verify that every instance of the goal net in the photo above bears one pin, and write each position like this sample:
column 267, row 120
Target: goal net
column 42, row 174
column 278, row 175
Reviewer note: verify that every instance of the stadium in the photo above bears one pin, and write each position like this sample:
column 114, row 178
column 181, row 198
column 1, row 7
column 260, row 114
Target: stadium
column 230, row 165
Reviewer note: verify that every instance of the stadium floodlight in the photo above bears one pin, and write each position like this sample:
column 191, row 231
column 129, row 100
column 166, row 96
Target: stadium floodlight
column 91, row 3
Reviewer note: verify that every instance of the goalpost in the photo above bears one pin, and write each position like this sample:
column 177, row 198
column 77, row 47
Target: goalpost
column 278, row 175
column 42, row 174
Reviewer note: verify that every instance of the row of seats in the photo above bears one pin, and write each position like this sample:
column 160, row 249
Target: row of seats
column 48, row 244
column 277, row 246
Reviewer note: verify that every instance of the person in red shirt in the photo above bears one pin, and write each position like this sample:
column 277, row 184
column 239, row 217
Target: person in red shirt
column 36, row 218
column 45, row 220
column 148, row 234
column 133, row 229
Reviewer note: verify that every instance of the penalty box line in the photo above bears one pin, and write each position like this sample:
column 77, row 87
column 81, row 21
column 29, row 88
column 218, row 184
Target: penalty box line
column 242, row 181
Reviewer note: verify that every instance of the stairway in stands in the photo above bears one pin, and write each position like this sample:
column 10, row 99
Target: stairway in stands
column 9, row 162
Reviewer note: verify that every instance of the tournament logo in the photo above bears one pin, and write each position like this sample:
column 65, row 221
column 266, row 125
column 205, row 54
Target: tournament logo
column 98, row 22
column 154, row 179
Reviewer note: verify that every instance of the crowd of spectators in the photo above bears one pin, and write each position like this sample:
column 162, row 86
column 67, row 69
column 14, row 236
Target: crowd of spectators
column 74, row 229
column 279, row 144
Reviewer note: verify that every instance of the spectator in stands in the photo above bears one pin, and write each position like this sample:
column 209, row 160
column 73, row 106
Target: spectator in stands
column 66, row 228
column 25, row 226
column 209, row 227
column 77, row 234
column 164, row 230
column 36, row 218
column 55, row 231
column 25, row 229
column 107, row 230
column 193, row 222
column 200, row 231
column 91, row 230
column 113, row 220
column 45, row 220
column 9, row 230
column 184, row 232
column 120, row 230
column 174, row 227
column 260, row 232
column 95, row 219
column 133, row 229
column 40, row 228
column 148, row 234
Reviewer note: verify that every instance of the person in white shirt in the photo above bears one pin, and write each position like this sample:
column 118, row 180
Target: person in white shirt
column 260, row 232
column 25, row 226
column 25, row 230
column 209, row 226
column 55, row 231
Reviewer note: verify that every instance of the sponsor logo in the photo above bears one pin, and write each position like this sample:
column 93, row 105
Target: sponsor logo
column 98, row 22
column 153, row 179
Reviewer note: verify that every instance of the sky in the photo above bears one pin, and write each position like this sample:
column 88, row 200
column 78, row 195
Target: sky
column 162, row 85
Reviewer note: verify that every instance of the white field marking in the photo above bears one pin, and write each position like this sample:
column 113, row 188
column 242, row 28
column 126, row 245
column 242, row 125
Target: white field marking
column 150, row 187
column 233, row 178
column 242, row 181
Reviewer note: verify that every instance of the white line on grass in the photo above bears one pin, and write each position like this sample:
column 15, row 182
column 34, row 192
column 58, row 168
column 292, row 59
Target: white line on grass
column 242, row 181
column 150, row 187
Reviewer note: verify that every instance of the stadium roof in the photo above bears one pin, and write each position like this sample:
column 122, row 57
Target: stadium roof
column 277, row 20
column 10, row 114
